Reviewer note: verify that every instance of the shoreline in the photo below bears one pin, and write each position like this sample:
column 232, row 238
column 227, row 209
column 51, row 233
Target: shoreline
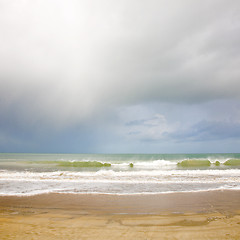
column 202, row 201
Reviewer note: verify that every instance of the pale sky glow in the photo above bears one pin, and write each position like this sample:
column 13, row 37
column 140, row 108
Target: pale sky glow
column 119, row 76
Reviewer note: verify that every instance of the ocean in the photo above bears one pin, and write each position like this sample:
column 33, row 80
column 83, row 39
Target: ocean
column 30, row 174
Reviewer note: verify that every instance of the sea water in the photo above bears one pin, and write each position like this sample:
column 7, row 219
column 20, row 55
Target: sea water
column 30, row 174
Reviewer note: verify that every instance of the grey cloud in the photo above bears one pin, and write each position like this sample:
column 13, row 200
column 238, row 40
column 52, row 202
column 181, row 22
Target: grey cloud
column 208, row 131
column 135, row 122
column 183, row 124
column 150, row 129
column 148, row 122
column 203, row 131
column 65, row 62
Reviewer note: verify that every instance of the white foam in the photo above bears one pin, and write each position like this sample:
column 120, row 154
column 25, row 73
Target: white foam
column 127, row 176
column 66, row 191
column 113, row 182
column 155, row 163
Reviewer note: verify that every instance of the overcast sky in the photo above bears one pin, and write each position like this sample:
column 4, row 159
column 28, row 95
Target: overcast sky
column 129, row 76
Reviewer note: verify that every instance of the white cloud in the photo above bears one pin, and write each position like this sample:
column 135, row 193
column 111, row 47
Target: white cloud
column 154, row 128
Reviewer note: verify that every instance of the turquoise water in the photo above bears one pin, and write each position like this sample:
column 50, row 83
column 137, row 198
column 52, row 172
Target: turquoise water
column 28, row 174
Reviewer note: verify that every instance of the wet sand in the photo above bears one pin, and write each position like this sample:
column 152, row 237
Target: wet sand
column 201, row 215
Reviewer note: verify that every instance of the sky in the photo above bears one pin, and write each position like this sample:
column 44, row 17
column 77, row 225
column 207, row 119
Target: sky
column 129, row 76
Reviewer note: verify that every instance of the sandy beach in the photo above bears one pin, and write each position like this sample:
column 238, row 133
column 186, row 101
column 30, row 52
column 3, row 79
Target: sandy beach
column 199, row 215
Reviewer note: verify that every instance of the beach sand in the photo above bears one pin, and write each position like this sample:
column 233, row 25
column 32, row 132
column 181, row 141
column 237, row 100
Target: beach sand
column 199, row 215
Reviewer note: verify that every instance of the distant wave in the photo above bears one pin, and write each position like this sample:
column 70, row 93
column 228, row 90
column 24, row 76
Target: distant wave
column 153, row 164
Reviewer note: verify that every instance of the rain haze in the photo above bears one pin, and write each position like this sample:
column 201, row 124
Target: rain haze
column 104, row 76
